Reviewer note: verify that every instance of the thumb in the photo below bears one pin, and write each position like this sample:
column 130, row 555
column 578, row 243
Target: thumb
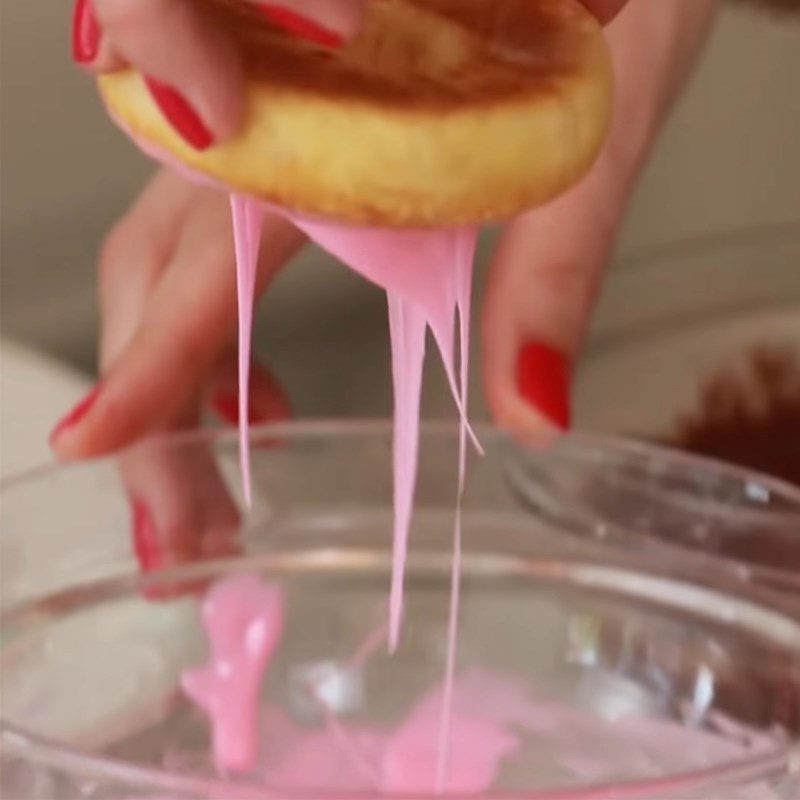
column 267, row 400
column 547, row 269
column 542, row 287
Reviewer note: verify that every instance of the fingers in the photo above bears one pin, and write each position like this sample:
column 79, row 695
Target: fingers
column 191, row 67
column 543, row 284
column 181, row 507
column 86, row 32
column 168, row 308
column 268, row 402
column 547, row 269
column 90, row 48
column 158, row 355
column 134, row 256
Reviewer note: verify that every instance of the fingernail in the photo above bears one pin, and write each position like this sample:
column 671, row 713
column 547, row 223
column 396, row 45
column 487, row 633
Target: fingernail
column 543, row 380
column 149, row 551
column 146, row 544
column 183, row 118
column 85, row 32
column 301, row 26
column 227, row 407
column 75, row 415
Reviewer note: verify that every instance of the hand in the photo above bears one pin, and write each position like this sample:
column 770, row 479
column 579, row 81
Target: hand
column 549, row 264
column 167, row 351
column 193, row 71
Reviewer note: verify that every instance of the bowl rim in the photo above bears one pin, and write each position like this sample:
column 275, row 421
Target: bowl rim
column 325, row 427
column 778, row 763
column 585, row 444
column 586, row 520
column 577, row 446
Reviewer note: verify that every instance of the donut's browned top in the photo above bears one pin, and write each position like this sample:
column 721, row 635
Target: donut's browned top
column 427, row 53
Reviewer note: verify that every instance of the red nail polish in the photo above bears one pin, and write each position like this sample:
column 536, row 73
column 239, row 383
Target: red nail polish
column 85, row 32
column 183, row 118
column 227, row 407
column 543, row 380
column 301, row 26
column 146, row 545
column 75, row 415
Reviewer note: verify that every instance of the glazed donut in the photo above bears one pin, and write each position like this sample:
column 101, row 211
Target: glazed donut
column 439, row 113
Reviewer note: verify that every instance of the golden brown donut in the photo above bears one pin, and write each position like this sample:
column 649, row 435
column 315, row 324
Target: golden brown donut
column 441, row 112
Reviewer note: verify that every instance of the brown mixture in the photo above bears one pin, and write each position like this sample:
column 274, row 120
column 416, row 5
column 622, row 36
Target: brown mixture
column 749, row 414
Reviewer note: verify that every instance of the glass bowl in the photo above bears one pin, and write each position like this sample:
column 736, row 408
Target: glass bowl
column 616, row 672
column 663, row 501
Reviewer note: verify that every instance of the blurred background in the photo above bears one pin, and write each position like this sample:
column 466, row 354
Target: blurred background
column 708, row 264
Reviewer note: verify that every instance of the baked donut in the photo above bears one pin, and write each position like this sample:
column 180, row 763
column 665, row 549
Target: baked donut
column 439, row 113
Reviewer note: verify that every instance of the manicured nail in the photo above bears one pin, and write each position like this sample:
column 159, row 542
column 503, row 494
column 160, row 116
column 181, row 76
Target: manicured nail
column 85, row 32
column 146, row 544
column 150, row 552
column 543, row 380
column 74, row 416
column 183, row 118
column 301, row 26
column 227, row 407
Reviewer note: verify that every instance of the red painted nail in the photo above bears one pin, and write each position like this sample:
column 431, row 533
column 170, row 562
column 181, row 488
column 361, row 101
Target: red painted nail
column 150, row 552
column 301, row 26
column 75, row 415
column 180, row 114
column 146, row 544
column 86, row 32
column 227, row 407
column 543, row 380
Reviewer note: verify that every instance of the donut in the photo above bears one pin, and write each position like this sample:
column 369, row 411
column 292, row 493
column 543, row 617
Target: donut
column 439, row 113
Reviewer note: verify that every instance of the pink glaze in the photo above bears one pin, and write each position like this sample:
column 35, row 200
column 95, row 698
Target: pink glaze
column 404, row 759
column 243, row 619
column 247, row 221
column 478, row 741
column 495, row 721
column 427, row 276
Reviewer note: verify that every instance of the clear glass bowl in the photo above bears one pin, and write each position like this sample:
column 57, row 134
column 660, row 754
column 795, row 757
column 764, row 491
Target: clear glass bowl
column 664, row 502
column 636, row 678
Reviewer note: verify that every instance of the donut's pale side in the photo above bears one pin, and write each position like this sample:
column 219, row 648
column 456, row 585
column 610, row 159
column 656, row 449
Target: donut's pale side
column 441, row 112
